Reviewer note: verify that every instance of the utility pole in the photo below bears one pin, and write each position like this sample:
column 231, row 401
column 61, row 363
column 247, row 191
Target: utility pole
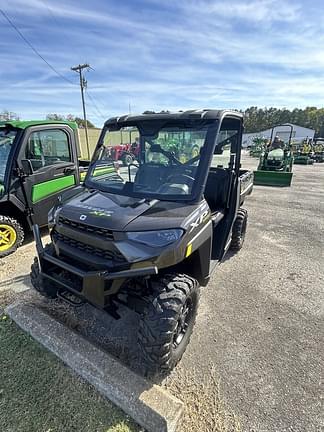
column 83, row 85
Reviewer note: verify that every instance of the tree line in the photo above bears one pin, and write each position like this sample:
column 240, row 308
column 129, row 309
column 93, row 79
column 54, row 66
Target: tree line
column 70, row 117
column 255, row 119
column 6, row 115
column 258, row 119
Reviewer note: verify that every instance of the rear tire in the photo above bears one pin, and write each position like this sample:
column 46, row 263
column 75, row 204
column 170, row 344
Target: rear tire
column 42, row 285
column 167, row 322
column 11, row 235
column 239, row 230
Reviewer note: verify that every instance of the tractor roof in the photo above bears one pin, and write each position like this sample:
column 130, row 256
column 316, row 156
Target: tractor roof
column 23, row 124
column 200, row 114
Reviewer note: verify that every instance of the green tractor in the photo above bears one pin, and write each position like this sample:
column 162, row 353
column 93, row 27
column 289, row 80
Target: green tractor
column 319, row 149
column 275, row 165
column 183, row 145
column 258, row 146
column 303, row 155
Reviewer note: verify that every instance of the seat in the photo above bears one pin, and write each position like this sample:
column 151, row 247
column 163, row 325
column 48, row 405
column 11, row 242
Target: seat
column 216, row 188
column 150, row 175
column 31, row 154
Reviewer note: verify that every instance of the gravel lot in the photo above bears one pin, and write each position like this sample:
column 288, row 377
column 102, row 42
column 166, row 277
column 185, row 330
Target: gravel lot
column 17, row 266
column 260, row 322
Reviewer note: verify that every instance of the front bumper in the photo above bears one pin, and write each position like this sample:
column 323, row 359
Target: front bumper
column 96, row 287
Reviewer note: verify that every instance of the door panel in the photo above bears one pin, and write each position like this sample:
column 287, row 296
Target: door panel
column 50, row 187
column 52, row 155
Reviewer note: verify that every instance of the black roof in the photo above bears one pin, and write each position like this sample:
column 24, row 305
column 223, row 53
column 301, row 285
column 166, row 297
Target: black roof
column 198, row 114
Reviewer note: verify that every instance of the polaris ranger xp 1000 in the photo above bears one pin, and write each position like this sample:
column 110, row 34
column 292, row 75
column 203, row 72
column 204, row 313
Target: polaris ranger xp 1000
column 149, row 234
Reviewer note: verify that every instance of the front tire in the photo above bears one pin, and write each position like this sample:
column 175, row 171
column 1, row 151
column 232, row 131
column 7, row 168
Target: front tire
column 167, row 322
column 239, row 230
column 195, row 151
column 43, row 286
column 127, row 159
column 11, row 235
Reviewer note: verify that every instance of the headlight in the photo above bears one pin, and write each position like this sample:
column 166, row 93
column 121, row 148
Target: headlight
column 156, row 238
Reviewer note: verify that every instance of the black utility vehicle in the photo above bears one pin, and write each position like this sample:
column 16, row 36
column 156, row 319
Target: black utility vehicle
column 150, row 234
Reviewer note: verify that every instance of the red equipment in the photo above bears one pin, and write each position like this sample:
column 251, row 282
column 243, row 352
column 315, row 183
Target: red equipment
column 126, row 153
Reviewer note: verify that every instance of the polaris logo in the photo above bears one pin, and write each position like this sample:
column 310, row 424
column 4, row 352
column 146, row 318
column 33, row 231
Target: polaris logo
column 83, row 217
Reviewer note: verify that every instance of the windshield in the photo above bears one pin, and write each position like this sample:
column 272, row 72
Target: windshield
column 7, row 137
column 163, row 163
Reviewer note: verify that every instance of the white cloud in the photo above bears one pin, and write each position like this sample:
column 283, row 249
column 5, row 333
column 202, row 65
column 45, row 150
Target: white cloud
column 259, row 11
column 181, row 54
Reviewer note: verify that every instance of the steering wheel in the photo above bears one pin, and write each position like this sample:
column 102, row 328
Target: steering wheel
column 179, row 178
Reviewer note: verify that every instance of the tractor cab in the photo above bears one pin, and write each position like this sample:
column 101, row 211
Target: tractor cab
column 274, row 157
column 275, row 165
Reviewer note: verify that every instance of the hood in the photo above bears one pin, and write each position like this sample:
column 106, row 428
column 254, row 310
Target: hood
column 276, row 154
column 116, row 212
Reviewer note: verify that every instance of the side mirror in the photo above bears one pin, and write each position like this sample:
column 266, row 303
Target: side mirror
column 27, row 167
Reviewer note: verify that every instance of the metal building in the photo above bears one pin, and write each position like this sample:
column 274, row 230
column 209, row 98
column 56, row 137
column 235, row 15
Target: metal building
column 299, row 133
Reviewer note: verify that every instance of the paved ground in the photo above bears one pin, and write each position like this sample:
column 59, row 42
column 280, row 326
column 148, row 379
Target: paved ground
column 261, row 317
column 261, row 320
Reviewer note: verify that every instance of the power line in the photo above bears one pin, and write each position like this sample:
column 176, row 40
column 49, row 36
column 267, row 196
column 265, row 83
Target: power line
column 34, row 49
column 83, row 84
column 50, row 12
column 95, row 105
column 93, row 101
column 76, row 69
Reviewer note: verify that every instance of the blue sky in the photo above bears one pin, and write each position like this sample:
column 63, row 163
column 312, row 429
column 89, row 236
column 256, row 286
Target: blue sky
column 154, row 54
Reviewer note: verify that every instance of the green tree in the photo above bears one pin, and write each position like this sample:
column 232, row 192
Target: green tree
column 55, row 117
column 81, row 122
column 8, row 115
column 257, row 119
column 70, row 117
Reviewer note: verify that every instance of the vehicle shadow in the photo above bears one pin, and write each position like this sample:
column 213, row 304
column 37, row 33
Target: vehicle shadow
column 229, row 255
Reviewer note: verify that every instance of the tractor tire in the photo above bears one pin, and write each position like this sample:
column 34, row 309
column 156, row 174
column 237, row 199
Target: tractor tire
column 167, row 321
column 127, row 159
column 195, row 151
column 239, row 230
column 11, row 235
column 43, row 286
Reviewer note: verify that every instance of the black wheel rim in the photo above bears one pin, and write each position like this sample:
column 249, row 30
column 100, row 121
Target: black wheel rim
column 183, row 323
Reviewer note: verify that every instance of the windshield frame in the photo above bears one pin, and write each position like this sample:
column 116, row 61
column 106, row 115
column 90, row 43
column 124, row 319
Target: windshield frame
column 10, row 159
column 146, row 130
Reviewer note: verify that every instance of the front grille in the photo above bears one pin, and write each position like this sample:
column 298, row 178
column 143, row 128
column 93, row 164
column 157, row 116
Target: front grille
column 108, row 255
column 274, row 162
column 102, row 232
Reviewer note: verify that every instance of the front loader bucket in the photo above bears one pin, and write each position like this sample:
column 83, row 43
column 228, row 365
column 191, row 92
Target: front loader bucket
column 272, row 178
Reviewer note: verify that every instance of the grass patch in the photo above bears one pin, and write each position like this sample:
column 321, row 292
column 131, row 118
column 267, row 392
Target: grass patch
column 39, row 394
